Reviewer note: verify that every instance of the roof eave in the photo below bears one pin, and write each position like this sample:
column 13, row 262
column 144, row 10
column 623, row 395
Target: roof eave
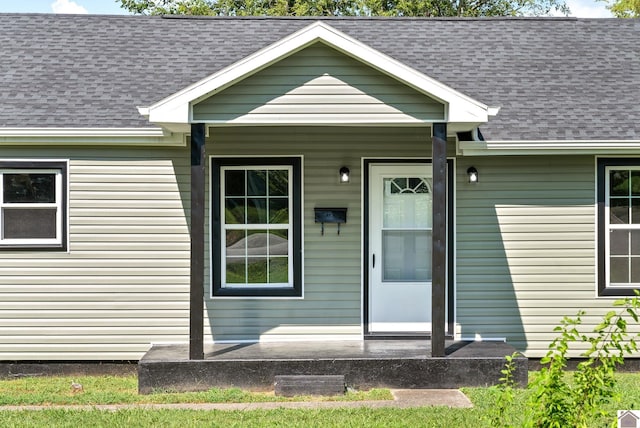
column 540, row 147
column 91, row 136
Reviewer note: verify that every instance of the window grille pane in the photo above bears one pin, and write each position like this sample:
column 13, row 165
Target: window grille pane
column 278, row 270
column 635, row 183
column 635, row 242
column 635, row 270
column 256, row 183
column 257, row 242
column 257, row 211
column 256, row 270
column 236, row 243
column 619, row 183
column 278, row 210
column 619, row 242
column 236, row 270
column 234, row 211
column 619, row 211
column 234, row 183
column 29, row 188
column 279, row 183
column 619, row 267
column 25, row 223
column 418, row 185
column 278, row 243
column 635, row 210
column 398, row 185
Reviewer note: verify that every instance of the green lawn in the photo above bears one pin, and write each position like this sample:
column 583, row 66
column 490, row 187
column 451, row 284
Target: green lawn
column 424, row 417
column 109, row 390
column 124, row 390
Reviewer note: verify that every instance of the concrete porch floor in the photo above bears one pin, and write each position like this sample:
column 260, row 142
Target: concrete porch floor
column 365, row 364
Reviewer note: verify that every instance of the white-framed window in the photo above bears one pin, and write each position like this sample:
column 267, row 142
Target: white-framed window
column 33, row 204
column 618, row 191
column 256, row 227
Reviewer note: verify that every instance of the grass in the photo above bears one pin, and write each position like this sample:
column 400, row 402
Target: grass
column 123, row 390
column 421, row 417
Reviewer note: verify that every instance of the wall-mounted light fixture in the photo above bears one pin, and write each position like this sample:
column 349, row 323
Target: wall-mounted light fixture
column 472, row 172
column 344, row 174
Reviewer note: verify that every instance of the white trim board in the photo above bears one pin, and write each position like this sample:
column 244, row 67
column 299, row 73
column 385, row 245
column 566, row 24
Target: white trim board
column 560, row 147
column 91, row 136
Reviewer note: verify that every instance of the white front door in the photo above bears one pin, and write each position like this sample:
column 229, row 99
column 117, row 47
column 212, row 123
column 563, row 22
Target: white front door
column 400, row 223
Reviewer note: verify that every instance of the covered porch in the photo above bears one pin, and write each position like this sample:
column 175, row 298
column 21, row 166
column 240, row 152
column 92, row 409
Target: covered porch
column 315, row 87
column 364, row 364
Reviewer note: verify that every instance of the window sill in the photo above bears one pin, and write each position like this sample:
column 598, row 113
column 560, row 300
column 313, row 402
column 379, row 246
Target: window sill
column 34, row 247
column 256, row 292
column 617, row 292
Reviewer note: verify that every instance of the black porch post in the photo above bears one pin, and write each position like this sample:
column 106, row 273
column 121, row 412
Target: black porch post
column 196, row 307
column 439, row 236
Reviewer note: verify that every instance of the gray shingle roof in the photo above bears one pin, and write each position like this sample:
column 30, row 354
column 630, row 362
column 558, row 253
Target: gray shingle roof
column 566, row 79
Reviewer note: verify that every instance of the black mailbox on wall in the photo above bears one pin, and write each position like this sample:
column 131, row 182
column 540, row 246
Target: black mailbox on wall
column 330, row 215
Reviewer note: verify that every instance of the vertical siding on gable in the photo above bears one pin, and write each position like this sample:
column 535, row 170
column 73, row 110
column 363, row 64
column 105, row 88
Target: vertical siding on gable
column 332, row 263
column 319, row 85
column 526, row 248
column 124, row 283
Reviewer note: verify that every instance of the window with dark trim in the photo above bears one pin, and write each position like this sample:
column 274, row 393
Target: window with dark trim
column 33, row 205
column 618, row 191
column 256, row 220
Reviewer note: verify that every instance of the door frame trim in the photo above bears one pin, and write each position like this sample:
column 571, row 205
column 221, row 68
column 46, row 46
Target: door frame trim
column 366, row 162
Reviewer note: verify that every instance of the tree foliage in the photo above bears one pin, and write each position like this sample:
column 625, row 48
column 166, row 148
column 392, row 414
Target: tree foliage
column 426, row 8
column 624, row 8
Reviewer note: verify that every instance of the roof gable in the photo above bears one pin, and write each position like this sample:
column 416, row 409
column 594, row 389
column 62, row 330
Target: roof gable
column 177, row 108
column 318, row 85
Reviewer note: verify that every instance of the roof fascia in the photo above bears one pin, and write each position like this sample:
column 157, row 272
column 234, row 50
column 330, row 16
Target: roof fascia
column 541, row 147
column 177, row 107
column 91, row 136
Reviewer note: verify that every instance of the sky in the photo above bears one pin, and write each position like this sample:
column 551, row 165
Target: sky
column 579, row 8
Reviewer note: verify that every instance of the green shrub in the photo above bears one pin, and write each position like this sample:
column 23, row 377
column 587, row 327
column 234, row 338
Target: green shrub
column 560, row 400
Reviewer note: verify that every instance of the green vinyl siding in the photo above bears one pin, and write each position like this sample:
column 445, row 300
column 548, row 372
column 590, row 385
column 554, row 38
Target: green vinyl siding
column 526, row 248
column 332, row 263
column 124, row 283
column 318, row 85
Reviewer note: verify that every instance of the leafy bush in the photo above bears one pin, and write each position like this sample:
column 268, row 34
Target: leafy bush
column 559, row 399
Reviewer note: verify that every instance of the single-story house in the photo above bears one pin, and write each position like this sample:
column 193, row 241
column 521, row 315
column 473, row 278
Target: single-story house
column 172, row 180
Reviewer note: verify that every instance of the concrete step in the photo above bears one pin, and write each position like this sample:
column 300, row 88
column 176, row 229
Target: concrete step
column 290, row 385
